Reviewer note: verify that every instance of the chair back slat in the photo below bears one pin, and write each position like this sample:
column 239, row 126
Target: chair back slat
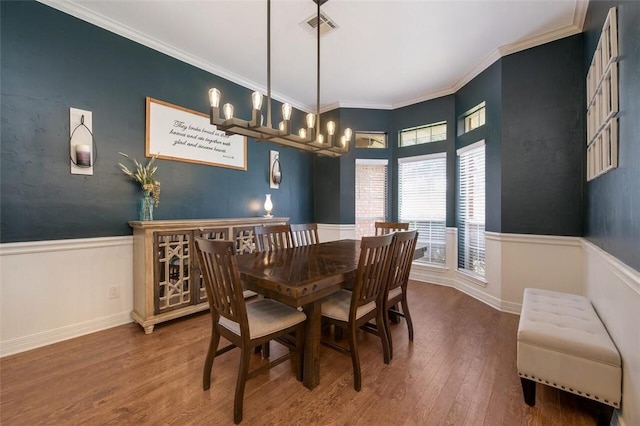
column 222, row 280
column 383, row 228
column 373, row 268
column 274, row 237
column 404, row 245
column 305, row 234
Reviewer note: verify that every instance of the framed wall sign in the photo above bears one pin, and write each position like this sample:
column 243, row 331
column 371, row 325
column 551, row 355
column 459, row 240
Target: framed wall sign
column 181, row 134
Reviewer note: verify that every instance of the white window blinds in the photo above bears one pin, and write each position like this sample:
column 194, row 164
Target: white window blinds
column 422, row 201
column 371, row 195
column 471, row 209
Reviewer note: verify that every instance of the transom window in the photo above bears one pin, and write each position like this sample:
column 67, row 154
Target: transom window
column 424, row 134
column 474, row 118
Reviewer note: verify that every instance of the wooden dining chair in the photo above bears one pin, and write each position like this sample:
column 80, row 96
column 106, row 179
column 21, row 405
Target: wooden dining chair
column 383, row 228
column 404, row 245
column 349, row 310
column 246, row 326
column 304, row 234
column 273, row 237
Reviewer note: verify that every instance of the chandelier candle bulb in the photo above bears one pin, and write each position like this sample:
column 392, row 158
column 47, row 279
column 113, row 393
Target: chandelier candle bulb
column 256, row 98
column 214, row 97
column 347, row 134
column 302, row 133
column 311, row 121
column 331, row 128
column 228, row 111
column 286, row 111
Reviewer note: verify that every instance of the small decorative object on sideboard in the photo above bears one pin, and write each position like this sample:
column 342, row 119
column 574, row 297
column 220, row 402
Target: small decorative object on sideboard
column 151, row 187
column 268, row 206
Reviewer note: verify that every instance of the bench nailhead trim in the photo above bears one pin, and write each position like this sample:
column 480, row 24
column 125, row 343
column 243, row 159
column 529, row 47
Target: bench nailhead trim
column 615, row 404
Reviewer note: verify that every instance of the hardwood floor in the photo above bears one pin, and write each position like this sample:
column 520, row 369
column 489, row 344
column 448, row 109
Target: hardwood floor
column 460, row 370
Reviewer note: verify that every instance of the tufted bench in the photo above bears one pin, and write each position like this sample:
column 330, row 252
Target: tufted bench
column 562, row 343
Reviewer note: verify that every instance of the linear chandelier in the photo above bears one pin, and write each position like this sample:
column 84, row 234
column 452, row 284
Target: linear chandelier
column 308, row 139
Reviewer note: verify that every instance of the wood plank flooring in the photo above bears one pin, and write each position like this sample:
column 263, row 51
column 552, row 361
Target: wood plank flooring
column 460, row 370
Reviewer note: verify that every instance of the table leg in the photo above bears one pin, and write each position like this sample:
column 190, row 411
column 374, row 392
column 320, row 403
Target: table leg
column 311, row 371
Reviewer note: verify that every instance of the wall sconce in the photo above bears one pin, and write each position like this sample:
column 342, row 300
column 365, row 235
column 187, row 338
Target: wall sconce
column 268, row 206
column 82, row 147
column 275, row 170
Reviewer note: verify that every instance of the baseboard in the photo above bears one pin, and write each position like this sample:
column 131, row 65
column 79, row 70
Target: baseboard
column 49, row 337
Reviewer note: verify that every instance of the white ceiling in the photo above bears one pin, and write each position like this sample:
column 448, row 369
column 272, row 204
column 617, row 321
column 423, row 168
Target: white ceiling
column 385, row 53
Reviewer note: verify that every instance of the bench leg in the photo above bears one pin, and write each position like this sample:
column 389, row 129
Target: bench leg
column 605, row 412
column 529, row 391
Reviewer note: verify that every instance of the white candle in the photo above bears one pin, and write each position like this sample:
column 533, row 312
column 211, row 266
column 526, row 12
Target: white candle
column 83, row 155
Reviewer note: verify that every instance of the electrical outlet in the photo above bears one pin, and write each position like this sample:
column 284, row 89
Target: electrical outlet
column 114, row 292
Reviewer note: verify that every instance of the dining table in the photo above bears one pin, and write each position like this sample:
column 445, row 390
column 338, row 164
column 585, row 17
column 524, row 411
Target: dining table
column 302, row 277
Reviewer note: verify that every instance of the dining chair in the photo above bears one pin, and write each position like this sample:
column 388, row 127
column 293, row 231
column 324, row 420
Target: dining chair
column 304, row 234
column 245, row 326
column 349, row 310
column 273, row 237
column 383, row 228
column 404, row 245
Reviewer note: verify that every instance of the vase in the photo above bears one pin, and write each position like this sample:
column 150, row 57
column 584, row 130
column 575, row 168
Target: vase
column 146, row 206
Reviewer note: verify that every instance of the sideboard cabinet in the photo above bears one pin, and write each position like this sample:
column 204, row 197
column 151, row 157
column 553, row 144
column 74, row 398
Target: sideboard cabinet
column 167, row 283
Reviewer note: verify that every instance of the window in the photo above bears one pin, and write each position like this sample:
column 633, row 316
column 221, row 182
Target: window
column 424, row 134
column 371, row 140
column 474, row 118
column 371, row 195
column 422, row 201
column 471, row 209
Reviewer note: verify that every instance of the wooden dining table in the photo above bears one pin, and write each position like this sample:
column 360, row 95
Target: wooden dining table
column 303, row 277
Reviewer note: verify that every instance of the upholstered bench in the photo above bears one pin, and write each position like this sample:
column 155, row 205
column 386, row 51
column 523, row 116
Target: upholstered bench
column 562, row 343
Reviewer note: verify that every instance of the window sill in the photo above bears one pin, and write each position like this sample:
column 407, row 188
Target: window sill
column 433, row 267
column 471, row 278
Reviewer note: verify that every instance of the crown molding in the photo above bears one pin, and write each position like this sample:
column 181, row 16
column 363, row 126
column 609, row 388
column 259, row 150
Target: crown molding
column 81, row 12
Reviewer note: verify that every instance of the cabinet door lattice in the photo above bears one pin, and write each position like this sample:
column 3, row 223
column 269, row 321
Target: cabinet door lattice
column 172, row 278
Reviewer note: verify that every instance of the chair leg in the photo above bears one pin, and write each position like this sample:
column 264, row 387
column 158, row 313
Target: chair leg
column 407, row 316
column 266, row 350
column 382, row 322
column 337, row 334
column 243, row 373
column 208, row 363
column 299, row 352
column 355, row 359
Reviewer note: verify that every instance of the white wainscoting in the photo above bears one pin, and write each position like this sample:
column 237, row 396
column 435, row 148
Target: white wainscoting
column 614, row 291
column 333, row 232
column 56, row 290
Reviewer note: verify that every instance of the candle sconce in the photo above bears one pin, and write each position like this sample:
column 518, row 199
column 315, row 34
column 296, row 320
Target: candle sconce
column 82, row 147
column 275, row 170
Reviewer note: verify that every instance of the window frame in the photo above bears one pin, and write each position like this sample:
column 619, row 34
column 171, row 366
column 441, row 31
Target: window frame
column 371, row 219
column 436, row 248
column 465, row 247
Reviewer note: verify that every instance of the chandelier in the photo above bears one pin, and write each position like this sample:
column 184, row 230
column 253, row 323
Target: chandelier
column 308, row 139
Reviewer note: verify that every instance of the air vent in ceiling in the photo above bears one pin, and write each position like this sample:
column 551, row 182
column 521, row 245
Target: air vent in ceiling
column 326, row 24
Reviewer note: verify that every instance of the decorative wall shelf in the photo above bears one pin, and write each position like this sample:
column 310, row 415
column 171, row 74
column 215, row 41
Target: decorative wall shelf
column 602, row 102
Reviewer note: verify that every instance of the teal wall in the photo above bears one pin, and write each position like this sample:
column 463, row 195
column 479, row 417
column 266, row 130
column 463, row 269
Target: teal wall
column 612, row 214
column 51, row 61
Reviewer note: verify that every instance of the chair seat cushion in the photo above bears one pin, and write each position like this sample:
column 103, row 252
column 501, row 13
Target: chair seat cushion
column 393, row 293
column 337, row 306
column 266, row 316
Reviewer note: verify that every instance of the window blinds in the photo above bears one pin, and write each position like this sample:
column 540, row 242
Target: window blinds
column 371, row 195
column 471, row 209
column 422, row 201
